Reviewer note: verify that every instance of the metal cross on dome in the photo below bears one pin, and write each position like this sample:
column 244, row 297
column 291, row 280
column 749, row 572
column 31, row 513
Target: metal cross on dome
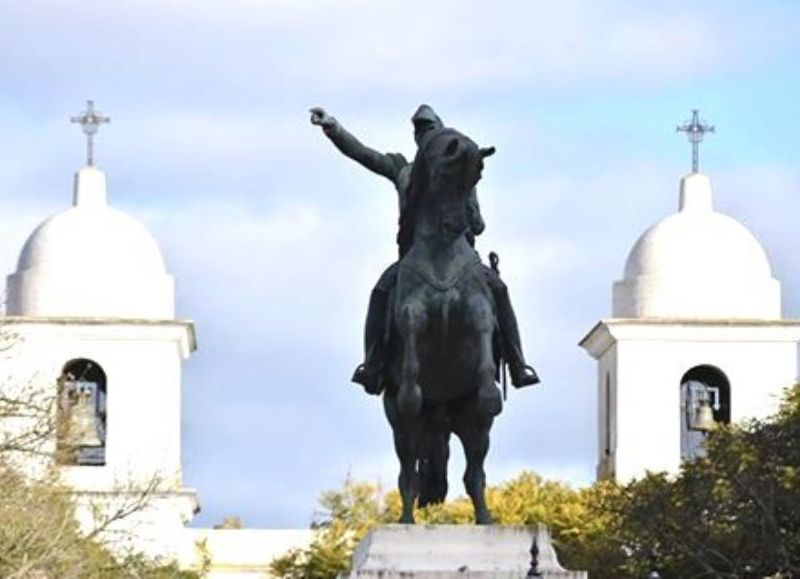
column 90, row 120
column 695, row 131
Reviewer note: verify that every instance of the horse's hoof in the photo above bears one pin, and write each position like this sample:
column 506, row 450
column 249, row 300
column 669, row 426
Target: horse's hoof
column 409, row 401
column 407, row 520
column 484, row 519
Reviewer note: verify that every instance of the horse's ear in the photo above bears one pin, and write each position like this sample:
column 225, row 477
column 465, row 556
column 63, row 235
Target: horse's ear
column 452, row 147
column 487, row 152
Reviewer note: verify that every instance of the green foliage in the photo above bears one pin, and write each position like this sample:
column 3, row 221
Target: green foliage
column 735, row 513
column 36, row 523
column 39, row 536
column 348, row 515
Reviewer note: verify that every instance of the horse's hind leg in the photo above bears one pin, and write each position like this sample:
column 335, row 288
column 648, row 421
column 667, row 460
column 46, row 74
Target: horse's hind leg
column 472, row 425
column 405, row 432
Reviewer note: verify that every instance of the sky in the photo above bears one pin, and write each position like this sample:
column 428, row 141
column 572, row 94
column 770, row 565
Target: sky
column 275, row 238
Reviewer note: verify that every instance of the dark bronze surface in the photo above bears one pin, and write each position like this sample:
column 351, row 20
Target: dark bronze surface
column 432, row 341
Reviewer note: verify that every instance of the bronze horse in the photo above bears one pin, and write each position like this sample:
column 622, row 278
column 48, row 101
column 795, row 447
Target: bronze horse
column 442, row 363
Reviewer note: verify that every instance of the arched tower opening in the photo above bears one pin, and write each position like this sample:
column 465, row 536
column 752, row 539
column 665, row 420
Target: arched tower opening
column 705, row 402
column 82, row 419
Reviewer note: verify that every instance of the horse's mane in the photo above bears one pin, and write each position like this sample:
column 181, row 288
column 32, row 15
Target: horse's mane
column 429, row 151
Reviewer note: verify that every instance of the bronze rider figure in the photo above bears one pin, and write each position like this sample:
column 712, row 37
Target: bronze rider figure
column 397, row 169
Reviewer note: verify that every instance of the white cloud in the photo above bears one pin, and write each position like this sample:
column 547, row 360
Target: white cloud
column 254, row 52
column 276, row 240
column 766, row 198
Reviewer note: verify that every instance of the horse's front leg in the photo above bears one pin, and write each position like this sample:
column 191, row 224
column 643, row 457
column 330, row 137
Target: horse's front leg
column 473, row 428
column 475, row 420
column 410, row 321
column 489, row 400
column 406, row 445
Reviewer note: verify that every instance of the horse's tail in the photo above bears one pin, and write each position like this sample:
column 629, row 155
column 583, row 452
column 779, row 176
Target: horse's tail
column 433, row 456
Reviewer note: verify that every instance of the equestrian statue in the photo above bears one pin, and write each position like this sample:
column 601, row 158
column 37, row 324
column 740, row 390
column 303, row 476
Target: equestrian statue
column 440, row 322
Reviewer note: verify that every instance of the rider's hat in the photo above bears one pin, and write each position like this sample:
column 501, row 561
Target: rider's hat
column 427, row 115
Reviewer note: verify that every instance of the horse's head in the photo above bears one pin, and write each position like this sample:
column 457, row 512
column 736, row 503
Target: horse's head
column 447, row 167
column 454, row 160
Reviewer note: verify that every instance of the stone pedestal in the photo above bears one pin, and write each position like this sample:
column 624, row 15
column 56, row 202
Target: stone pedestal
column 456, row 551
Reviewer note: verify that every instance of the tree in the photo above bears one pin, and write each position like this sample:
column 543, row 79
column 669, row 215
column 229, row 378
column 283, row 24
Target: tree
column 734, row 513
column 40, row 537
column 348, row 514
column 39, row 534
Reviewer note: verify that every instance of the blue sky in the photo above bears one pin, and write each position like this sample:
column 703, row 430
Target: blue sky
column 276, row 240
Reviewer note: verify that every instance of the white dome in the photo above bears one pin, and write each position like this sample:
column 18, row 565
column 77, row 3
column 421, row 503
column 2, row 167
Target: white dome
column 697, row 263
column 91, row 261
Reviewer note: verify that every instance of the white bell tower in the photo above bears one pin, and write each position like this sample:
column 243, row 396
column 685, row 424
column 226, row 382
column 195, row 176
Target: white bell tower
column 90, row 320
column 696, row 334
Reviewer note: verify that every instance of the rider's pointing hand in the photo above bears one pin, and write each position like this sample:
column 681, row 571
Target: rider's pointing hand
column 321, row 118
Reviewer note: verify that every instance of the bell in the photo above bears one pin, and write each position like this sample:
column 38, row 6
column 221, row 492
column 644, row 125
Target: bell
column 83, row 423
column 704, row 418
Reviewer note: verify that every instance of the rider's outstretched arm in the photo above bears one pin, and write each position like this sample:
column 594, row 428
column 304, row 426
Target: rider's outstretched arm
column 387, row 165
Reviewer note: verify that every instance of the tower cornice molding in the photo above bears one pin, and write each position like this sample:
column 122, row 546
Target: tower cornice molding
column 606, row 332
column 182, row 330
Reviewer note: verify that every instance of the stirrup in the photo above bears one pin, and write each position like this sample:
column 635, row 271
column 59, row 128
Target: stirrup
column 523, row 375
column 369, row 380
